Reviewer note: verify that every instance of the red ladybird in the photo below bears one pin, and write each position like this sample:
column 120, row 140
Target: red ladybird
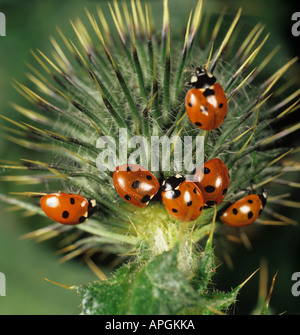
column 135, row 184
column 244, row 211
column 205, row 102
column 213, row 180
column 182, row 198
column 68, row 209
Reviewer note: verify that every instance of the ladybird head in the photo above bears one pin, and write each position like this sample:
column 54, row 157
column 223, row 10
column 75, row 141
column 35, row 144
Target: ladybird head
column 201, row 78
column 171, row 183
column 92, row 208
column 263, row 197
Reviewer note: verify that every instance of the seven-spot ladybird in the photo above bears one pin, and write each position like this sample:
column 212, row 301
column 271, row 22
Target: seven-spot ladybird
column 182, row 198
column 213, row 180
column 68, row 209
column 205, row 102
column 135, row 184
column 206, row 107
column 244, row 211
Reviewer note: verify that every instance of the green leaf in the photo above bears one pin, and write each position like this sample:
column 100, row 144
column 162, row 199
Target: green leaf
column 157, row 287
column 219, row 300
column 205, row 271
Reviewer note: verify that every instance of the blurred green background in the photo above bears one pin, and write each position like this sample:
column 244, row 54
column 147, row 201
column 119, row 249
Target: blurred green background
column 25, row 263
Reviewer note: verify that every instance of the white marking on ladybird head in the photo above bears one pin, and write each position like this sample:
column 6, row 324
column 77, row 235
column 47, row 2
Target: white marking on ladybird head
column 194, row 79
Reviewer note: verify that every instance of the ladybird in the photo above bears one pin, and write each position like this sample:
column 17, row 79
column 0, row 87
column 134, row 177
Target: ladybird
column 213, row 180
column 68, row 209
column 205, row 102
column 244, row 211
column 135, row 184
column 182, row 198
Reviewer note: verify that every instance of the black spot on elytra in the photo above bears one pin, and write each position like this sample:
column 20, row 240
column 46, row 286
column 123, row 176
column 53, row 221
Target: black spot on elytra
column 136, row 184
column 206, row 170
column 145, row 199
column 189, row 203
column 195, row 190
column 221, row 105
column 149, row 177
column 65, row 214
column 250, row 214
column 174, row 210
column 176, row 194
column 199, row 124
column 127, row 197
column 72, row 201
column 210, row 203
column 250, row 201
column 208, row 92
column 190, row 104
column 225, row 191
column 235, row 211
column 209, row 189
column 82, row 219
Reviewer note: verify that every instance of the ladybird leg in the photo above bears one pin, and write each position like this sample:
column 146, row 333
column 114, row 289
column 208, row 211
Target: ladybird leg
column 189, row 68
column 79, row 191
column 245, row 190
column 251, row 189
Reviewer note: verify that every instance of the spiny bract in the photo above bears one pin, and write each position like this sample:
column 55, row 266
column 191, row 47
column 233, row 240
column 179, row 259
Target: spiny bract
column 131, row 78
